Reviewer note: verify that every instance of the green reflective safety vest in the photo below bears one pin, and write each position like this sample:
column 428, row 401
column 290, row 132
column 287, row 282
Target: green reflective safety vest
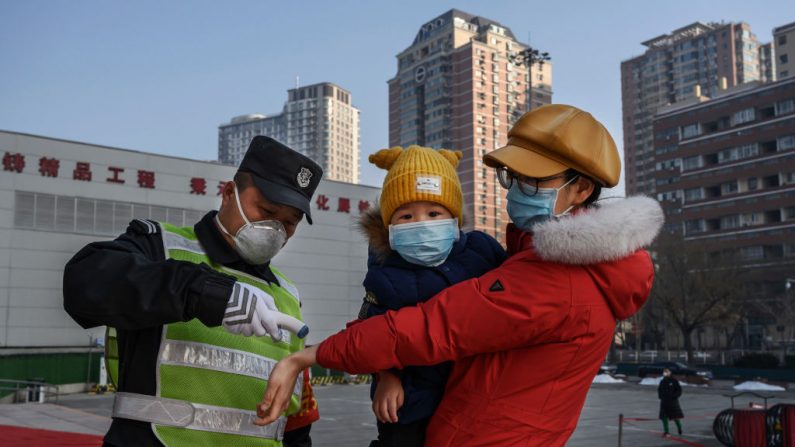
column 209, row 381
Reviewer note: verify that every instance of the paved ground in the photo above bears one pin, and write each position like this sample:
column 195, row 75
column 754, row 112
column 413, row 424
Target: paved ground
column 347, row 420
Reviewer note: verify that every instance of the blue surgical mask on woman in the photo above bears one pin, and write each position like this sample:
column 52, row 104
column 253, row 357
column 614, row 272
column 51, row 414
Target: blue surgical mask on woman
column 526, row 211
column 425, row 243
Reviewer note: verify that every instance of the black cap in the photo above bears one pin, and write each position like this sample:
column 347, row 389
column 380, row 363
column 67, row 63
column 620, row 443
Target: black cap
column 282, row 175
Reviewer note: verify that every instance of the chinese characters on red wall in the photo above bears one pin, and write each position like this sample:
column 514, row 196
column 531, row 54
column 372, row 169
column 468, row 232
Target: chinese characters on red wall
column 82, row 171
column 343, row 204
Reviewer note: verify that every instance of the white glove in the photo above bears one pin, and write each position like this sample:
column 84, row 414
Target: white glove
column 252, row 311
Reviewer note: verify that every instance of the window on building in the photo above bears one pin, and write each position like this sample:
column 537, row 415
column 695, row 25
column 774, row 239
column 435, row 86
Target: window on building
column 695, row 226
column 783, row 58
column 49, row 212
column 752, row 183
column 749, row 219
column 786, row 143
column 665, row 149
column 738, row 153
column 743, row 116
column 748, row 150
column 729, row 222
column 693, row 194
column 786, row 106
column 729, row 187
column 693, row 162
column 771, row 181
column 754, row 252
column 690, row 131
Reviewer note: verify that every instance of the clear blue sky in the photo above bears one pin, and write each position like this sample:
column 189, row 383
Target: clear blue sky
column 160, row 76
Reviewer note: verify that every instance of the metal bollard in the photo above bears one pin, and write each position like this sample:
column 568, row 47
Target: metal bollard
column 620, row 428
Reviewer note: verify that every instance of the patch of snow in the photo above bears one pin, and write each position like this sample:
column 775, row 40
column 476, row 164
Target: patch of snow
column 757, row 386
column 606, row 378
column 655, row 381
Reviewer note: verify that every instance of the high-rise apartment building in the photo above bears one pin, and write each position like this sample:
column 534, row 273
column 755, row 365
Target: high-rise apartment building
column 698, row 59
column 460, row 86
column 317, row 120
column 784, row 44
column 726, row 175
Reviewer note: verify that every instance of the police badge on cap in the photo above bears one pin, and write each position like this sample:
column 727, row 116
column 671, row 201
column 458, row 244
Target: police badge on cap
column 304, row 177
column 281, row 174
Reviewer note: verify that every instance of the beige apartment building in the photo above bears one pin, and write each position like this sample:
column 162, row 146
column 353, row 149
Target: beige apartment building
column 317, row 120
column 459, row 86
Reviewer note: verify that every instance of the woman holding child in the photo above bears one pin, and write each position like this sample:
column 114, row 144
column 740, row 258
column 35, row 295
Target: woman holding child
column 527, row 337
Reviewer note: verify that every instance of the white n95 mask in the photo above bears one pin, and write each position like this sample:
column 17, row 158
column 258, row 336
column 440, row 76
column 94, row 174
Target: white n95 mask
column 256, row 242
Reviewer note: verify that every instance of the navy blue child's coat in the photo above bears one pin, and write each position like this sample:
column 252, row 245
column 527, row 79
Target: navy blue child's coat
column 393, row 283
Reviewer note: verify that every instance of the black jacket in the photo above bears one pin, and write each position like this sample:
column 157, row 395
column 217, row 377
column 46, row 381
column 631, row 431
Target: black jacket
column 128, row 284
column 669, row 392
column 396, row 283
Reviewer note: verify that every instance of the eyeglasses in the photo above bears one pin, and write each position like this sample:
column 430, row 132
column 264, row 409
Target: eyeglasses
column 527, row 185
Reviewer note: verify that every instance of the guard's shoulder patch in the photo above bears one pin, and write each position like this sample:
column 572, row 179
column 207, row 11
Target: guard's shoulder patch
column 144, row 226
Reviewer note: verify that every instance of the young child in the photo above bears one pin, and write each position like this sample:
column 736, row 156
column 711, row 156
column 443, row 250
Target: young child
column 417, row 250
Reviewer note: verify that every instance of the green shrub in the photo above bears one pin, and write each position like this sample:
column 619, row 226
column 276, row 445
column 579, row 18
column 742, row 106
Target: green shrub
column 762, row 360
column 789, row 362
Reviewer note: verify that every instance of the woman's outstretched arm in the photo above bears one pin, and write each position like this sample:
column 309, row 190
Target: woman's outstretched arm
column 281, row 384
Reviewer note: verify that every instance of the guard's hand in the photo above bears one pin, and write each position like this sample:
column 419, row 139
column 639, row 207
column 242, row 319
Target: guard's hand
column 388, row 397
column 251, row 311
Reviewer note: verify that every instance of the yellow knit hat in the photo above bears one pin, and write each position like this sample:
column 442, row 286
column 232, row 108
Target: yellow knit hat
column 419, row 174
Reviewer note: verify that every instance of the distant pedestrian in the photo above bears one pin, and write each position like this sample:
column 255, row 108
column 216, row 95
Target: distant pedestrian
column 669, row 392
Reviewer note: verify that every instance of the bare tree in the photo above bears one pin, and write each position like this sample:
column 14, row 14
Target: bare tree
column 654, row 322
column 696, row 285
column 781, row 311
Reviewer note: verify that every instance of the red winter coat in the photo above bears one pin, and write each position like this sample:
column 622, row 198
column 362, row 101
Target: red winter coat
column 527, row 338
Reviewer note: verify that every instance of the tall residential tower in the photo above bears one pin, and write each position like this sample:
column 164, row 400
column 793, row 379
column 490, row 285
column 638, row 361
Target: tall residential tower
column 460, row 86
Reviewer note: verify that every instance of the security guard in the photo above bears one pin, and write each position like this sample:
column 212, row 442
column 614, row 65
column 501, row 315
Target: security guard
column 191, row 306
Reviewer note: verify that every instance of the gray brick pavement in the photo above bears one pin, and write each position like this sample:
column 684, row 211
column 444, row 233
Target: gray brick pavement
column 347, row 420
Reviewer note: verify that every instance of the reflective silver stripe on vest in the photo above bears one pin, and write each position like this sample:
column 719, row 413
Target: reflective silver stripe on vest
column 179, row 413
column 174, row 241
column 201, row 355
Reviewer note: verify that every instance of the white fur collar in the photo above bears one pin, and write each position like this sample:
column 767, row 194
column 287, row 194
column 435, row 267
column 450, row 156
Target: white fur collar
column 615, row 229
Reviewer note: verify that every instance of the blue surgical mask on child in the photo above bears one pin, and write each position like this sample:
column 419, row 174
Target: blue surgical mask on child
column 425, row 243
column 526, row 211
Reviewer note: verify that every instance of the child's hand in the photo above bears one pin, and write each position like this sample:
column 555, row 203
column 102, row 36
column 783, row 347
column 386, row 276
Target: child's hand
column 388, row 397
